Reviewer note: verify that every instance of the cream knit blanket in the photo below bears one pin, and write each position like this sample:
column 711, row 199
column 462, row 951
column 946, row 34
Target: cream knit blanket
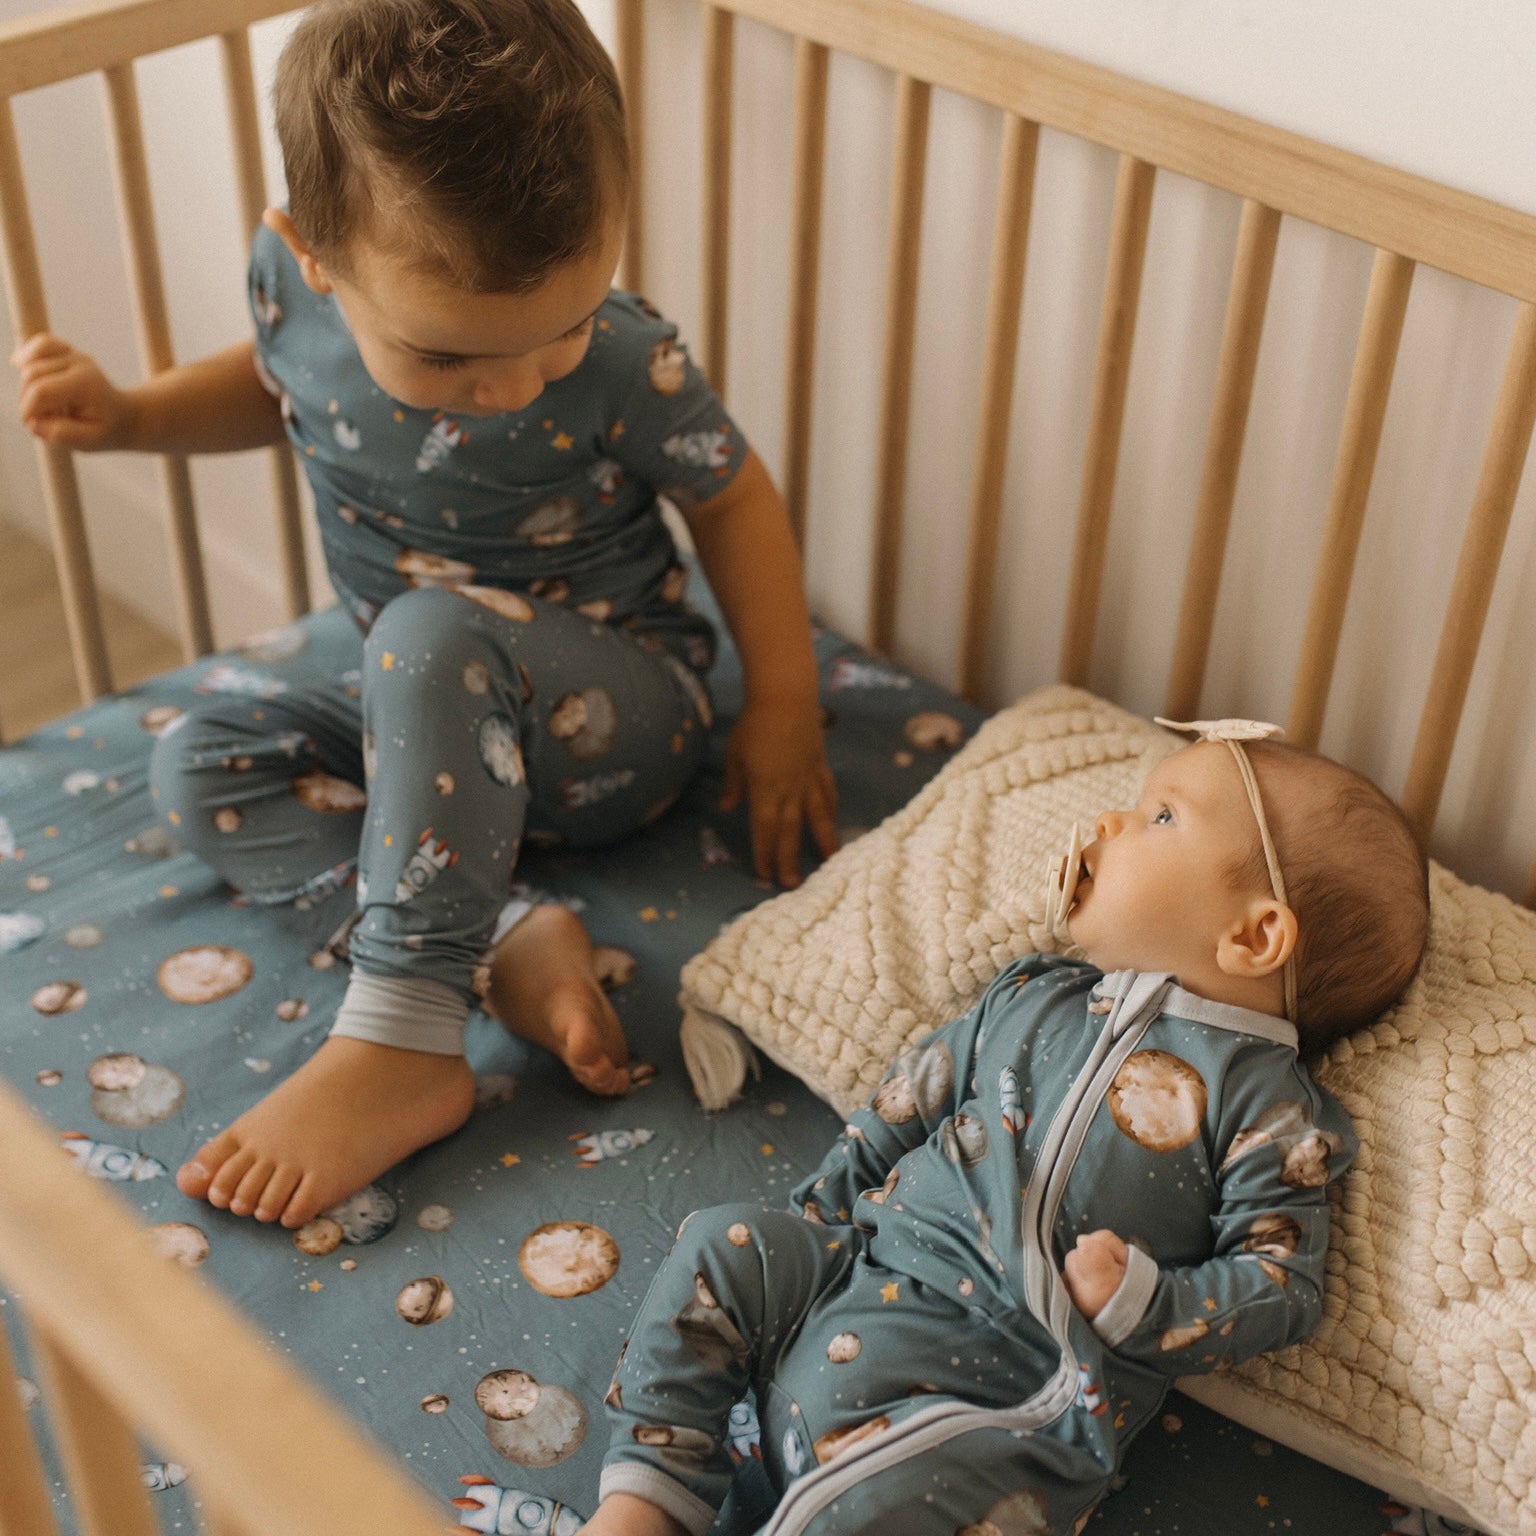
column 1424, row 1367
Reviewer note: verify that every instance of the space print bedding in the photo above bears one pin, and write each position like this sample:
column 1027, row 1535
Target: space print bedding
column 469, row 1307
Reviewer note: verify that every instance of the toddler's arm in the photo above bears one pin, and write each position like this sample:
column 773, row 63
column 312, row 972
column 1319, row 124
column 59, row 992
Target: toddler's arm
column 216, row 405
column 775, row 758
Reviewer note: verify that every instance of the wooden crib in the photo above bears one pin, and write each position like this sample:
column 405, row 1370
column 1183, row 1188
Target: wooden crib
column 135, row 1344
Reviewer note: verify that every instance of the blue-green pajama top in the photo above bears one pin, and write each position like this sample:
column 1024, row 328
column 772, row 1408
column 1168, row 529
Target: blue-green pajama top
column 532, row 669
column 917, row 1362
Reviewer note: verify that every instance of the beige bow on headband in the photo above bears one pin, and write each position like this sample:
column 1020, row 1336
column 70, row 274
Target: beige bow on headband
column 1064, row 872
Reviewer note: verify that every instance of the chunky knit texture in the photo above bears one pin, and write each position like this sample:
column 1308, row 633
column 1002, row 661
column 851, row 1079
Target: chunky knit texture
column 1424, row 1366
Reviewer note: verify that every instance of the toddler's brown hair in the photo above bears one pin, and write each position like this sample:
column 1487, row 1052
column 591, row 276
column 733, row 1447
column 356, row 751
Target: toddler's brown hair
column 482, row 140
column 1357, row 880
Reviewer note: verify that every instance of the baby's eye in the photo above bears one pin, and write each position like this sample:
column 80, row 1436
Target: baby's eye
column 443, row 364
column 1164, row 818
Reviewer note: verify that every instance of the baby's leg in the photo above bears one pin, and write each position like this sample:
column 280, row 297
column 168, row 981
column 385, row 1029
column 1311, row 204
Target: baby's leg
column 725, row 1305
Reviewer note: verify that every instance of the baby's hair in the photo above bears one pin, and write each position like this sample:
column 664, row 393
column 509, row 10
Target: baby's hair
column 482, row 140
column 1355, row 877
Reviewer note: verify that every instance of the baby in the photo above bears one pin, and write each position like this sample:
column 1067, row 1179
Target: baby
column 486, row 429
column 1108, row 1174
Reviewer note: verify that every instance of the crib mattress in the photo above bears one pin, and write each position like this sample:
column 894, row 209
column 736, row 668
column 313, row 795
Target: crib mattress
column 469, row 1307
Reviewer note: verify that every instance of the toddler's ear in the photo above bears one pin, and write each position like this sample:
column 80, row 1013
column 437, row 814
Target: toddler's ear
column 1260, row 942
column 314, row 275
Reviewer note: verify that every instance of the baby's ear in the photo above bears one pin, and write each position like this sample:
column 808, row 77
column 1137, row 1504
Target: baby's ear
column 310, row 269
column 1260, row 942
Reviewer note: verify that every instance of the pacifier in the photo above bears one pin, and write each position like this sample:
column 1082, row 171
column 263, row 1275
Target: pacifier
column 1062, row 875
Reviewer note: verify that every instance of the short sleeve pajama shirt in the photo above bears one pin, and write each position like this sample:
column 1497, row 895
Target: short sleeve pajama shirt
column 532, row 668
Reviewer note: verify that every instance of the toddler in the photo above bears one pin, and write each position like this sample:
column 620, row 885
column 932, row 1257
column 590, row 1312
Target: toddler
column 486, row 428
column 1109, row 1173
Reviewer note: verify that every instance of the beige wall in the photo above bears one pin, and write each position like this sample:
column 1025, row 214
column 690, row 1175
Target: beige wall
column 1396, row 78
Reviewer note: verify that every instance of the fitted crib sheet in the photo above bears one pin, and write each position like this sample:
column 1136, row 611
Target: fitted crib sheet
column 469, row 1307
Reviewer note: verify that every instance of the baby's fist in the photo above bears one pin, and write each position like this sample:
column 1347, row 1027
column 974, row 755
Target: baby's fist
column 1094, row 1270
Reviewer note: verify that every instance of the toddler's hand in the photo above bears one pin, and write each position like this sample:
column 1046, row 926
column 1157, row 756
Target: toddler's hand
column 775, row 760
column 67, row 400
column 1094, row 1270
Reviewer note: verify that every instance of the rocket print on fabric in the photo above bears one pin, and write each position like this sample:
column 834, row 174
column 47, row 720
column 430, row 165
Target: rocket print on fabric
column 1089, row 1394
column 488, row 1507
column 699, row 450
column 744, row 1434
column 850, row 673
column 594, row 1147
column 118, row 1165
column 443, row 438
column 1014, row 1118
column 424, row 866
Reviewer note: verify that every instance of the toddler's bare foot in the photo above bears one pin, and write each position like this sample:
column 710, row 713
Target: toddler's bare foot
column 544, row 988
column 353, row 1110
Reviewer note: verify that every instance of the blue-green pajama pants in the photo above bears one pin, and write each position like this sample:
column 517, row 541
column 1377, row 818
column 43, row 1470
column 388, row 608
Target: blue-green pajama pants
column 836, row 1348
column 469, row 728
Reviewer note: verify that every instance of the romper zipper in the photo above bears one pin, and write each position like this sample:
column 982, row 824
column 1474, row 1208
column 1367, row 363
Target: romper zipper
column 1138, row 1001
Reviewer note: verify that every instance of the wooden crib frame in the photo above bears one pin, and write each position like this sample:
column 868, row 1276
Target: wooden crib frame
column 133, row 1341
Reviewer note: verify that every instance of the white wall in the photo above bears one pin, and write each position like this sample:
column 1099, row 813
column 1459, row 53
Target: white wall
column 1430, row 88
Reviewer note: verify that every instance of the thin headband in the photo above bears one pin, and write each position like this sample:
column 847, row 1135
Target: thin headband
column 1234, row 733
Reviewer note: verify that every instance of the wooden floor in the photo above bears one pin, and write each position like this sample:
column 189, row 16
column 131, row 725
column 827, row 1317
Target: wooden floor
column 37, row 682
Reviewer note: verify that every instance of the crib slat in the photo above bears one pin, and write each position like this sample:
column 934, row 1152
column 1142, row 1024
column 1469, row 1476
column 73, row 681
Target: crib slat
column 1370, row 383
column 154, row 327
column 1117, row 332
column 909, row 166
column 29, row 315
column 719, row 34
column 1244, row 328
column 196, row 1375
column 629, row 58
column 100, row 1455
column 811, row 61
column 1010, row 244
column 1509, row 438
column 24, row 1506
column 245, row 131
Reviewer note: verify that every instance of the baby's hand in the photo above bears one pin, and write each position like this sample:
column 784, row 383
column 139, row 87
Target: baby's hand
column 67, row 400
column 775, row 760
column 1094, row 1270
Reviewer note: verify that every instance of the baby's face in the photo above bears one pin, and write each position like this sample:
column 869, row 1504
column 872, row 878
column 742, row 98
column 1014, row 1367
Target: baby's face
column 1154, row 893
column 432, row 346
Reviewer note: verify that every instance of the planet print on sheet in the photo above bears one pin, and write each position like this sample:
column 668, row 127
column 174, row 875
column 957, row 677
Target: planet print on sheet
column 204, row 973
column 133, row 1093
column 568, row 1258
column 18, row 929
column 424, row 1301
column 532, row 1423
column 55, row 997
column 181, row 1241
column 325, row 793
column 584, row 723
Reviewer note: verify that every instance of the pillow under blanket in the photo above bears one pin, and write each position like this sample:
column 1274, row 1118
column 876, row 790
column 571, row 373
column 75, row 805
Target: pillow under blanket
column 1422, row 1375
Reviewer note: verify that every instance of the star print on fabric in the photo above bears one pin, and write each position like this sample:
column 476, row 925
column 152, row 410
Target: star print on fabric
column 562, row 441
column 315, row 1285
column 889, row 1291
column 616, row 430
column 387, row 661
column 1210, row 1303
column 509, row 1159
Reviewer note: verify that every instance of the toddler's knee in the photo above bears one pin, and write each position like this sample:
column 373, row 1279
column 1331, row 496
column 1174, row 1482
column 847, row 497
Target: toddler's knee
column 180, row 753
column 737, row 1224
column 423, row 620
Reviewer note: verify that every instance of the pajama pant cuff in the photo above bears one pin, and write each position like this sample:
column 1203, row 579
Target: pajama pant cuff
column 666, row 1493
column 411, row 1015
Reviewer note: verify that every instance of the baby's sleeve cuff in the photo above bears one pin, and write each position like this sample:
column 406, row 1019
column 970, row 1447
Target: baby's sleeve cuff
column 1118, row 1317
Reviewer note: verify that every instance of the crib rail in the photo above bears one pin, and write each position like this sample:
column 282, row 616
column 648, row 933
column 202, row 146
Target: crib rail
column 125, row 1340
column 1409, row 221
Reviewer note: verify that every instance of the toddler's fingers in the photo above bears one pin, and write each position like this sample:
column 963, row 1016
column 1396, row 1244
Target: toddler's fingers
column 788, row 844
column 63, row 431
column 43, row 345
column 821, row 813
